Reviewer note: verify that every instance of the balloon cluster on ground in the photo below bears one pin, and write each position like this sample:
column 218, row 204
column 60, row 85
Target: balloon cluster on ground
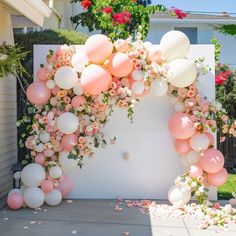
column 78, row 88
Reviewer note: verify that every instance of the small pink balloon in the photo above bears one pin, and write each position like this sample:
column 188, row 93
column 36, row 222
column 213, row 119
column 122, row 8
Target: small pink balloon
column 154, row 54
column 98, row 48
column 211, row 138
column 120, row 64
column 15, row 201
column 195, row 171
column 41, row 74
column 217, row 179
column 40, row 158
column 95, row 79
column 78, row 101
column 47, row 186
column 212, row 160
column 38, row 93
column 181, row 126
column 65, row 186
column 68, row 142
column 182, row 146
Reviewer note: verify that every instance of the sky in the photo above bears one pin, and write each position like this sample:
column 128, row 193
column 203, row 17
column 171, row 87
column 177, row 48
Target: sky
column 200, row 5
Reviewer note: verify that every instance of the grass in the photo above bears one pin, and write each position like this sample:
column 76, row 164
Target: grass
column 225, row 191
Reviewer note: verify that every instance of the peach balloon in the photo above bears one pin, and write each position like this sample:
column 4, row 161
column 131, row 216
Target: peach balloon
column 40, row 158
column 120, row 64
column 38, row 93
column 211, row 138
column 78, row 101
column 181, row 126
column 15, row 201
column 182, row 146
column 98, row 48
column 41, row 74
column 68, row 142
column 212, row 160
column 217, row 179
column 195, row 171
column 95, row 79
column 65, row 186
column 47, row 186
column 154, row 55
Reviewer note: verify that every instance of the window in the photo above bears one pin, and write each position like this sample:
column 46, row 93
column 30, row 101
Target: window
column 191, row 32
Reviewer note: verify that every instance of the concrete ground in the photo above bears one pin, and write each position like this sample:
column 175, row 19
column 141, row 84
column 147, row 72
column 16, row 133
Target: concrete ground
column 97, row 218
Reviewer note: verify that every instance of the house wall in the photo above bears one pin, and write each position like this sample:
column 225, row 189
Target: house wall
column 8, row 131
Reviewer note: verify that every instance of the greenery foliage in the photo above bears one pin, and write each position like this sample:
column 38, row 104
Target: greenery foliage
column 227, row 29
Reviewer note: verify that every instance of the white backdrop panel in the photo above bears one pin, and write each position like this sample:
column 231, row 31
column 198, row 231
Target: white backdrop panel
column 153, row 164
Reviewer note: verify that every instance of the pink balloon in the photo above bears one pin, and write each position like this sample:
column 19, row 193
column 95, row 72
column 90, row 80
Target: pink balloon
column 217, row 179
column 38, row 93
column 15, row 201
column 95, row 79
column 120, row 64
column 211, row 138
column 47, row 186
column 65, row 186
column 195, row 171
column 69, row 141
column 154, row 54
column 40, row 159
column 181, row 126
column 182, row 146
column 41, row 74
column 98, row 48
column 212, row 160
column 78, row 101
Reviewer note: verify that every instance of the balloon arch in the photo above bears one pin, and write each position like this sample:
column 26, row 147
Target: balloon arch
column 75, row 94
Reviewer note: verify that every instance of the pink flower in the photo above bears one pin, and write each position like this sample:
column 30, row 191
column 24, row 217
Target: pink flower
column 86, row 4
column 224, row 118
column 122, row 17
column 107, row 10
column 222, row 139
column 216, row 205
column 179, row 13
column 121, row 45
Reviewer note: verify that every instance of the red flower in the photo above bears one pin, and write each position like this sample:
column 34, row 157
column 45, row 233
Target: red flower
column 179, row 13
column 216, row 205
column 222, row 77
column 122, row 17
column 86, row 4
column 107, row 10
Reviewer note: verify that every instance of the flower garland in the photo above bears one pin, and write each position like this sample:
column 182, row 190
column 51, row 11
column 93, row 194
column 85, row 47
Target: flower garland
column 76, row 93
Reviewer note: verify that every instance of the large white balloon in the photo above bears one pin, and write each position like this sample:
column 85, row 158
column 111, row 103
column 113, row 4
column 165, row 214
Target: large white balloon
column 182, row 73
column 179, row 196
column 159, row 88
column 67, row 123
column 174, row 44
column 33, row 175
column 193, row 157
column 34, row 197
column 138, row 88
column 55, row 172
column 66, row 77
column 199, row 142
column 53, row 198
column 65, row 162
column 79, row 60
column 78, row 90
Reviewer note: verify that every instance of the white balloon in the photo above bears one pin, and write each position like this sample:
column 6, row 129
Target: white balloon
column 159, row 88
column 199, row 142
column 50, row 84
column 53, row 198
column 65, row 162
column 66, row 77
column 44, row 136
column 179, row 107
column 39, row 147
column 137, row 87
column 67, row 123
column 77, row 89
column 184, row 161
column 55, row 172
column 182, row 73
column 33, row 175
column 137, row 74
column 15, row 190
column 178, row 195
column 174, row 44
column 79, row 61
column 34, row 197
column 193, row 157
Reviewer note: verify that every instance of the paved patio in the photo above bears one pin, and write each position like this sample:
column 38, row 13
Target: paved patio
column 96, row 218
